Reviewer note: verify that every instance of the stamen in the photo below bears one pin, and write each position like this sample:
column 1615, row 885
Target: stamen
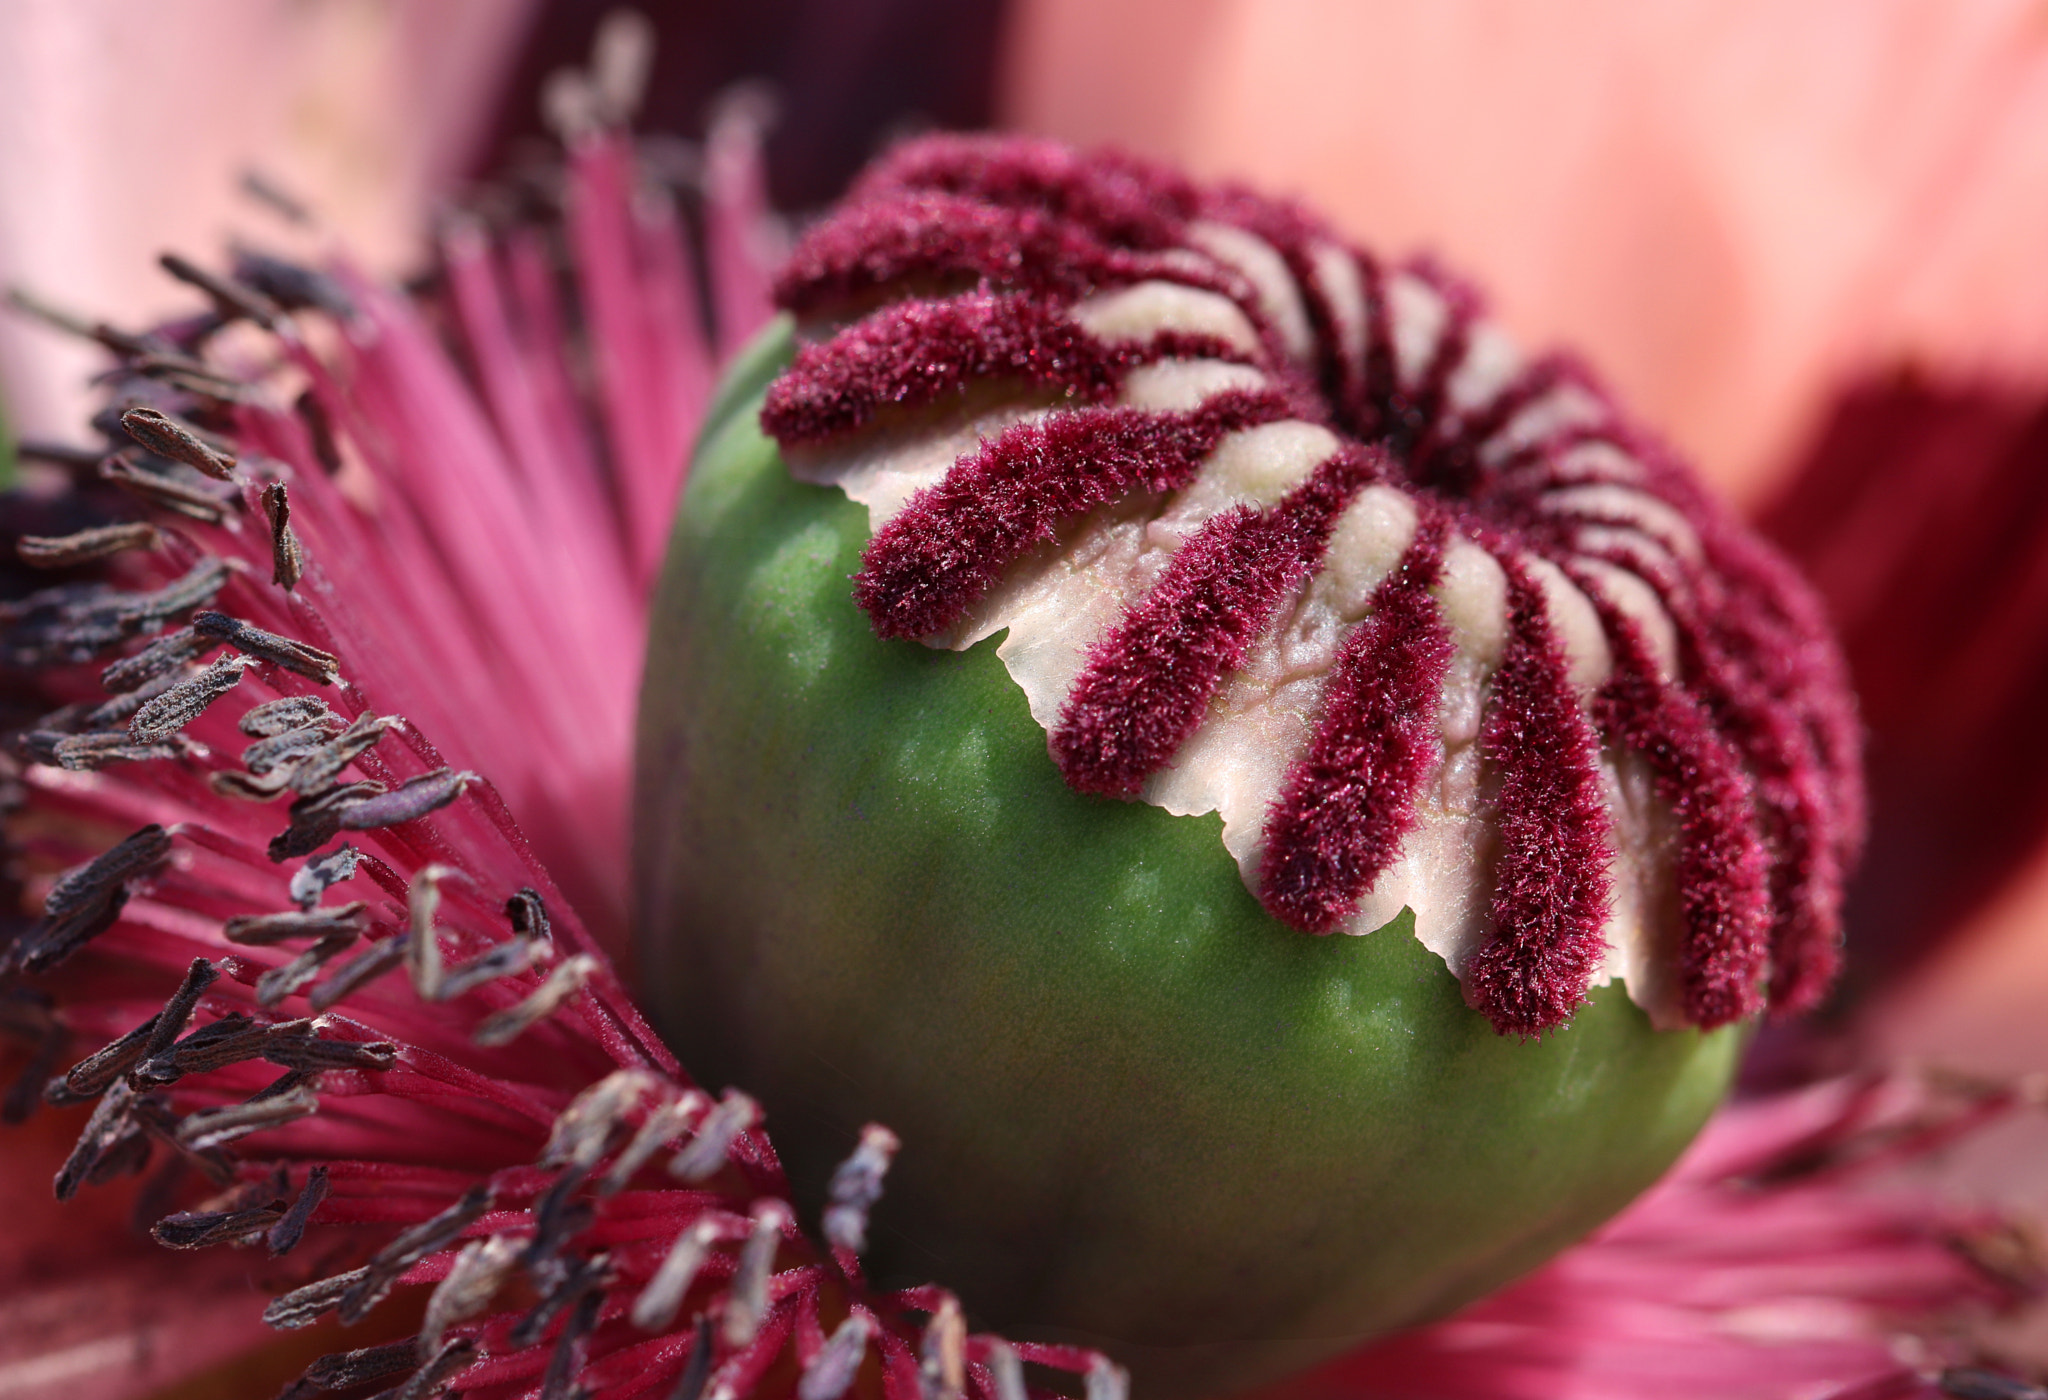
column 504, row 1027
column 431, row 1379
column 832, row 1370
column 473, row 1281
column 156, row 490
column 291, row 285
column 215, row 1126
column 663, row 1125
column 284, row 1236
column 505, row 960
column 287, row 558
column 85, row 753
column 856, row 1186
column 261, row 930
column 230, row 1040
column 428, row 1237
column 298, row 658
column 746, row 1299
column 63, row 551
column 316, row 820
column 570, row 1348
column 1107, row 1380
column 90, row 1077
column 352, row 976
column 184, row 702
column 582, row 1279
column 1006, row 1372
column 529, row 916
column 697, row 1370
column 302, row 1307
column 179, row 441
column 423, row 944
column 407, row 803
column 735, row 1114
column 943, row 1353
column 85, row 902
column 343, row 1370
column 584, row 1131
column 280, row 982
column 234, row 300
column 107, row 1125
column 274, row 718
column 656, row 1306
column 161, row 658
column 319, row 768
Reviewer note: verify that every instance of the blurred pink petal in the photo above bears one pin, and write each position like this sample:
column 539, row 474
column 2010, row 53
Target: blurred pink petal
column 1729, row 206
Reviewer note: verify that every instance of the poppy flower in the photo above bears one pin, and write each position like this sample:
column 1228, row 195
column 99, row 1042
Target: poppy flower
column 428, row 569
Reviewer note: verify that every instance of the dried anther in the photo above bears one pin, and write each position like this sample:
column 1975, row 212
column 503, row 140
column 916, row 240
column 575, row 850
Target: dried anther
column 280, row 982
column 153, row 488
column 216, row 1126
column 62, row 551
column 359, row 972
column 304, row 1306
column 427, row 793
column 663, row 1125
column 315, row 665
column 735, row 1114
column 432, row 1378
column 184, row 702
column 656, row 1306
column 342, row 1370
column 423, row 944
column 85, row 902
column 179, row 441
column 258, row 930
column 323, row 764
column 832, row 1370
column 159, row 659
column 199, row 1229
column 273, row 718
column 84, row 753
column 110, row 1122
column 313, row 879
column 317, row 820
column 856, row 1186
column 287, row 558
column 411, row 1246
column 233, row 299
column 582, row 1278
column 478, row 1272
column 746, row 1304
column 504, row 1027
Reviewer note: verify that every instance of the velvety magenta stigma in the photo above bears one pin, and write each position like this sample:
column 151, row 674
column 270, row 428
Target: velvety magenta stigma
column 1739, row 711
column 1551, row 883
column 1351, row 801
column 927, row 566
column 1147, row 685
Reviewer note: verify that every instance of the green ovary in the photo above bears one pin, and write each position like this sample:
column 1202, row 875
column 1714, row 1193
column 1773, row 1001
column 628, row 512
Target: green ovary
column 1134, row 1108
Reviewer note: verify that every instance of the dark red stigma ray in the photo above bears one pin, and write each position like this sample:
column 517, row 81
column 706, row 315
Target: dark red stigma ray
column 928, row 565
column 1350, row 801
column 932, row 236
column 1118, row 198
column 1755, row 747
column 1721, row 870
column 917, row 353
column 1551, row 884
column 1148, row 683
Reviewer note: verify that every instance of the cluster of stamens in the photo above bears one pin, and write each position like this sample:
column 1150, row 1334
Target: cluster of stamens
column 393, row 1058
